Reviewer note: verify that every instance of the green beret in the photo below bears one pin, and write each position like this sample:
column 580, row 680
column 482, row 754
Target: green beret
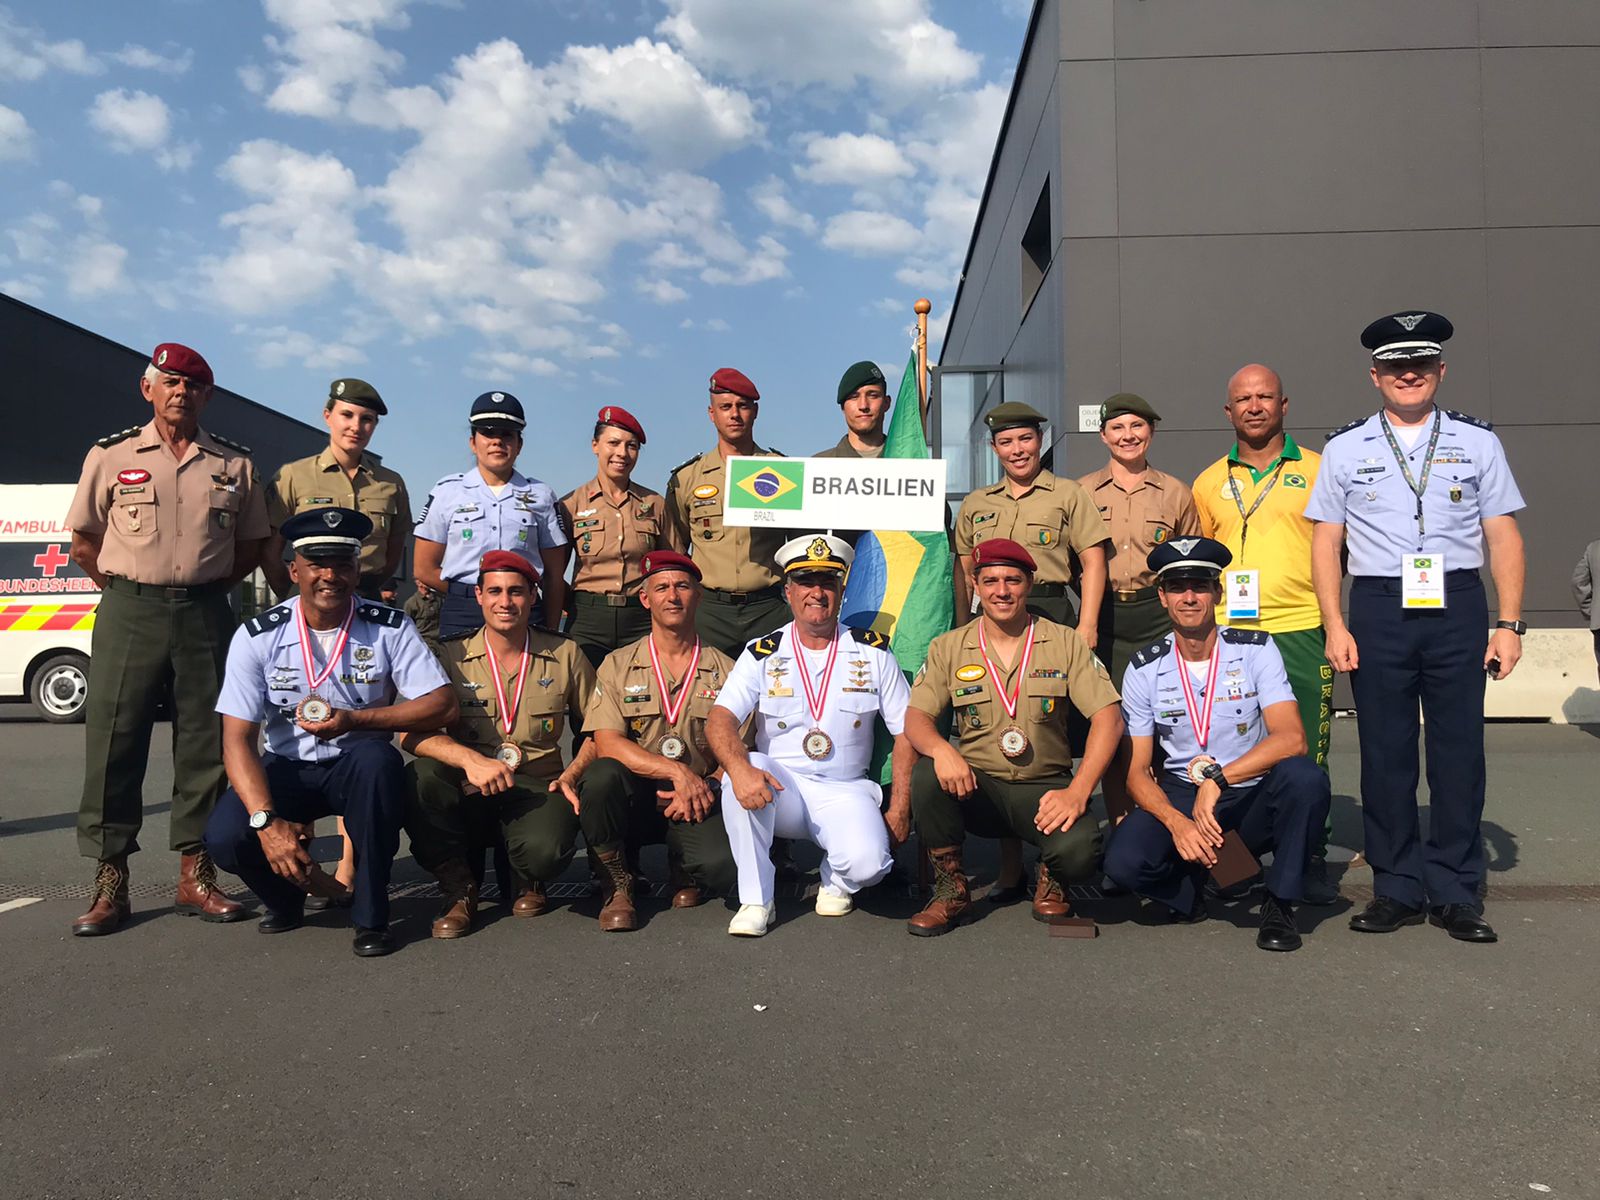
column 1013, row 414
column 857, row 377
column 358, row 392
column 1127, row 404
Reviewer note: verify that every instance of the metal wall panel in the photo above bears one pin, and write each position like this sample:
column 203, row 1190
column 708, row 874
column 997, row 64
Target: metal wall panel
column 1191, row 28
column 1541, row 136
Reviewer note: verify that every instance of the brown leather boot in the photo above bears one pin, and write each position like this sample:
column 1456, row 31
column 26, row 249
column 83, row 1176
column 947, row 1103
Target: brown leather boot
column 198, row 893
column 617, row 914
column 1049, row 901
column 532, row 902
column 110, row 907
column 951, row 897
column 685, row 891
column 460, row 901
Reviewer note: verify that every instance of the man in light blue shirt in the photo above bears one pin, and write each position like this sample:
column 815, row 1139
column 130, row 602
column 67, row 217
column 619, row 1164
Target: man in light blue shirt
column 325, row 673
column 1420, row 496
column 1219, row 702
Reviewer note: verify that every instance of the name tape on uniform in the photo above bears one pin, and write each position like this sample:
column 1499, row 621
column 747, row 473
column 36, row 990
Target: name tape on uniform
column 835, row 493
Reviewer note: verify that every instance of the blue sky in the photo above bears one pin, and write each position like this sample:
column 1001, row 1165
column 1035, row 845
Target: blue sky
column 576, row 201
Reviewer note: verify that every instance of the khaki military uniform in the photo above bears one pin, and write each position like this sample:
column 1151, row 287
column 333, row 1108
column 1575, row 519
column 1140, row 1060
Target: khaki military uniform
column 621, row 808
column 1063, row 675
column 320, row 482
column 1160, row 508
column 743, row 595
column 609, row 541
column 539, row 826
column 168, row 532
column 845, row 450
column 424, row 614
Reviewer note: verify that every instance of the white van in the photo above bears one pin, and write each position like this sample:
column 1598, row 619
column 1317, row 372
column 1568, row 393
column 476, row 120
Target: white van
column 47, row 604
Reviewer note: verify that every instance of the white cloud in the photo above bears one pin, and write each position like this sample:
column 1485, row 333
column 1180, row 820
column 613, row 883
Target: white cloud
column 870, row 234
column 662, row 291
column 95, row 267
column 710, row 325
column 26, row 54
column 16, row 139
column 513, row 363
column 771, row 199
column 670, row 256
column 330, row 61
column 30, row 289
column 928, row 278
column 852, row 158
column 767, row 261
column 138, row 123
column 279, row 345
column 145, row 59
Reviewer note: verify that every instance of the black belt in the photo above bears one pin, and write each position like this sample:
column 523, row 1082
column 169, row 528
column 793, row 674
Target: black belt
column 456, row 588
column 767, row 593
column 606, row 600
column 1133, row 595
column 1049, row 591
column 117, row 583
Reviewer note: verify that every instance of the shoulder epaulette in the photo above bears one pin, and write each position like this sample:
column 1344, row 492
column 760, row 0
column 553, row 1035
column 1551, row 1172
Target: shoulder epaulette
column 870, row 637
column 229, row 443
column 380, row 614
column 269, row 619
column 113, row 439
column 690, row 461
column 775, row 453
column 765, row 647
column 1152, row 653
column 1466, row 420
column 1328, row 437
column 1243, row 637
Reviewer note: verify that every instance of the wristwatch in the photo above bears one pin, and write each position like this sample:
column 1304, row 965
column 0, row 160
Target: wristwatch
column 1213, row 772
column 260, row 820
column 1517, row 627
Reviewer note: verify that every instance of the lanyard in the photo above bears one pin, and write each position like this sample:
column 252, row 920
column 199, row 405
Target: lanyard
column 818, row 700
column 508, row 716
column 315, row 678
column 672, row 711
column 1200, row 718
column 1009, row 703
column 1238, row 500
column 1417, row 486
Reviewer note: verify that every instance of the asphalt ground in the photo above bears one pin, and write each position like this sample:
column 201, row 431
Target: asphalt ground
column 841, row 1058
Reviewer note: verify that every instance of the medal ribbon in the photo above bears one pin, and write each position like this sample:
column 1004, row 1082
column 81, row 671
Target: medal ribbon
column 820, row 700
column 1238, row 500
column 315, row 678
column 1009, row 703
column 508, row 715
column 673, row 711
column 1202, row 720
column 1417, row 486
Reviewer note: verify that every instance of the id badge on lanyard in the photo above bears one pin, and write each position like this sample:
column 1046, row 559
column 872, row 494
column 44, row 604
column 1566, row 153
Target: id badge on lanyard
column 1243, row 595
column 1422, row 581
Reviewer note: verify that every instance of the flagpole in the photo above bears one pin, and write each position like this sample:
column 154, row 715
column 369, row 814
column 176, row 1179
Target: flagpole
column 922, row 307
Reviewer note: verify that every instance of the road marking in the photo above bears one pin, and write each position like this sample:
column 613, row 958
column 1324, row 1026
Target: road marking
column 20, row 903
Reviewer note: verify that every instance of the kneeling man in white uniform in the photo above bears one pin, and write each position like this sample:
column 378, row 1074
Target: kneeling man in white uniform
column 817, row 690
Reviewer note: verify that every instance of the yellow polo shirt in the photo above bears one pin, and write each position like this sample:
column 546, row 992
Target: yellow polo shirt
column 1278, row 543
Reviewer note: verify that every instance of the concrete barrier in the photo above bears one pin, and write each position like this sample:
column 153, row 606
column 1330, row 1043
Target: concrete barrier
column 1555, row 680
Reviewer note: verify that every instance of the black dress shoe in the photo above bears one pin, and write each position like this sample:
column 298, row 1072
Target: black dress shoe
column 373, row 943
column 1278, row 930
column 1316, row 889
column 1384, row 915
column 279, row 922
column 1463, row 922
column 1199, row 914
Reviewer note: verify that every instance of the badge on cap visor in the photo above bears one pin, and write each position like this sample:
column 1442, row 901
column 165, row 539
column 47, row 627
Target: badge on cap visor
column 331, row 518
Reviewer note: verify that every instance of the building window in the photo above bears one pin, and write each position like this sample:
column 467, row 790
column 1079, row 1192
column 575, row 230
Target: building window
column 1036, row 245
column 962, row 395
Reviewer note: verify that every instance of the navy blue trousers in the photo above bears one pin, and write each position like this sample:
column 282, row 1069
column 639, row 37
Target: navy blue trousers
column 1283, row 813
column 366, row 785
column 1435, row 657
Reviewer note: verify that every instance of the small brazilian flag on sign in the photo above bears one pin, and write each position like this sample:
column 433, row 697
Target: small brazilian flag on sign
column 767, row 485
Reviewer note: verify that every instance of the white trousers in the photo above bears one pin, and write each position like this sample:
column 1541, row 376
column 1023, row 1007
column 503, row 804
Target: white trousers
column 841, row 816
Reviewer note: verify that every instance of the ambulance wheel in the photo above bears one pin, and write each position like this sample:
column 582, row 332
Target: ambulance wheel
column 60, row 687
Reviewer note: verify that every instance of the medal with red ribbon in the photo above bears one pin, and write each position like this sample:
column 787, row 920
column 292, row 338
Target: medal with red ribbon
column 1013, row 742
column 1200, row 717
column 817, row 743
column 672, row 746
column 508, row 752
column 314, row 709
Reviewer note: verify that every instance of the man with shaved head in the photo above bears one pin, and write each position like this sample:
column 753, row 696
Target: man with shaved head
column 1253, row 501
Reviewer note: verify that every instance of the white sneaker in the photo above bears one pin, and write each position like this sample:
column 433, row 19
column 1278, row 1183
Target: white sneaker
column 752, row 920
column 831, row 902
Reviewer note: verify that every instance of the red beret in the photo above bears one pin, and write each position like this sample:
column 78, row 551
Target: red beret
column 997, row 552
column 726, row 379
column 180, row 360
column 507, row 560
column 667, row 560
column 613, row 414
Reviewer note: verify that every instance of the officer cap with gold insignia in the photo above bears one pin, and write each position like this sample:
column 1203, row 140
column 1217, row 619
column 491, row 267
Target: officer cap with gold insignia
column 1013, row 414
column 1407, row 335
column 326, row 533
column 815, row 552
column 358, row 392
column 1189, row 558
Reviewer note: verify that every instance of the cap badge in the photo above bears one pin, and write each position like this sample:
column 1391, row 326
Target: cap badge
column 331, row 519
column 161, row 359
column 1410, row 322
column 1185, row 545
column 338, row 388
column 498, row 397
column 646, row 564
column 605, row 415
column 818, row 549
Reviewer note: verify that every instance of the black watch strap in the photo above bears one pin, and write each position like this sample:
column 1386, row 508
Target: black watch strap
column 1517, row 627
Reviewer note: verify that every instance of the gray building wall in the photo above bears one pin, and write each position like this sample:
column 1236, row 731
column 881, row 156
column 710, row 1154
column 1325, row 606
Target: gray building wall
column 1255, row 180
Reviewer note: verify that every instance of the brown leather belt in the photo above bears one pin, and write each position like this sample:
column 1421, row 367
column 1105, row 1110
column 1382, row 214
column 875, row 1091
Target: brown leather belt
column 606, row 599
column 767, row 593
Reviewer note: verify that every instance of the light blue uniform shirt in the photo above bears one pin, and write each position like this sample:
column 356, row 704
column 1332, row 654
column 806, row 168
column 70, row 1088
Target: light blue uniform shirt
column 1361, row 487
column 266, row 678
column 1250, row 678
column 469, row 520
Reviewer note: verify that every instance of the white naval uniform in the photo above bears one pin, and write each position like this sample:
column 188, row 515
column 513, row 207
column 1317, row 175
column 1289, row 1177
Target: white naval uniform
column 829, row 801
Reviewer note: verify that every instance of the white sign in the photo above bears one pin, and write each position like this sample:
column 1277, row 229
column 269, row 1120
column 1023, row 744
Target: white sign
column 1088, row 418
column 835, row 493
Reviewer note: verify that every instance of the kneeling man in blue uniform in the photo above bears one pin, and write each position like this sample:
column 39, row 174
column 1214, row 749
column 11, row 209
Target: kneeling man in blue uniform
column 1220, row 703
column 325, row 673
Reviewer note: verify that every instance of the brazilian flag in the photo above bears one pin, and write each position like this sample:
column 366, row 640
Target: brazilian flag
column 755, row 484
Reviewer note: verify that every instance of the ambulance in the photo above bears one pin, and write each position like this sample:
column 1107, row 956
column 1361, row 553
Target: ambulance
column 47, row 603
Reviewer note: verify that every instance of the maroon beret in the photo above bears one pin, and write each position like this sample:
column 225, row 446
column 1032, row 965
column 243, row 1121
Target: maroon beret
column 613, row 414
column 1002, row 552
column 180, row 360
column 726, row 379
column 507, row 560
column 667, row 560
